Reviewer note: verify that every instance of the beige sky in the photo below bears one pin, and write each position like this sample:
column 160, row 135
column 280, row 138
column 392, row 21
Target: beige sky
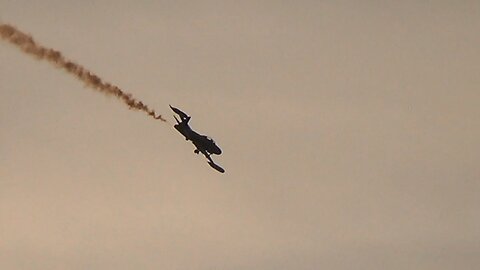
column 349, row 130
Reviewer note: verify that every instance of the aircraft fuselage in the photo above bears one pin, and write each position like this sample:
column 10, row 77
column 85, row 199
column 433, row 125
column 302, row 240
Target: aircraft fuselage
column 203, row 143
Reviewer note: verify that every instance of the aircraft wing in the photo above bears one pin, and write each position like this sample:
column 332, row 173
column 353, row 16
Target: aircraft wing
column 216, row 167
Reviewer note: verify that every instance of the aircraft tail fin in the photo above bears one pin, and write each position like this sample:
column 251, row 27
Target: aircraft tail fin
column 179, row 112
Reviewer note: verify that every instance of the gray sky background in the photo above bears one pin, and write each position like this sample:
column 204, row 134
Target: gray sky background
column 350, row 132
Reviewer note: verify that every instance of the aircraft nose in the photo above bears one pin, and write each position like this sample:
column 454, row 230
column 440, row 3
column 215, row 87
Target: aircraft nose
column 217, row 150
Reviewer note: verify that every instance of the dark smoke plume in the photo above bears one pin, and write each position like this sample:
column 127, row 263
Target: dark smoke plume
column 27, row 44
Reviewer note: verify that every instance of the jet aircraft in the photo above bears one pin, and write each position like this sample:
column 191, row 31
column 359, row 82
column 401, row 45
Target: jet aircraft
column 203, row 144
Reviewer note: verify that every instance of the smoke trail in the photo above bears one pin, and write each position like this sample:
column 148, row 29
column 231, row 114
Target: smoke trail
column 27, row 44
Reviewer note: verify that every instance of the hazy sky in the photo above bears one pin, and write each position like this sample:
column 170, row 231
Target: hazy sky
column 350, row 135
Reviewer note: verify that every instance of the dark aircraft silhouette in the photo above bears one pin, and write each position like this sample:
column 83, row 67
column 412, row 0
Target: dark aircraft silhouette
column 203, row 144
